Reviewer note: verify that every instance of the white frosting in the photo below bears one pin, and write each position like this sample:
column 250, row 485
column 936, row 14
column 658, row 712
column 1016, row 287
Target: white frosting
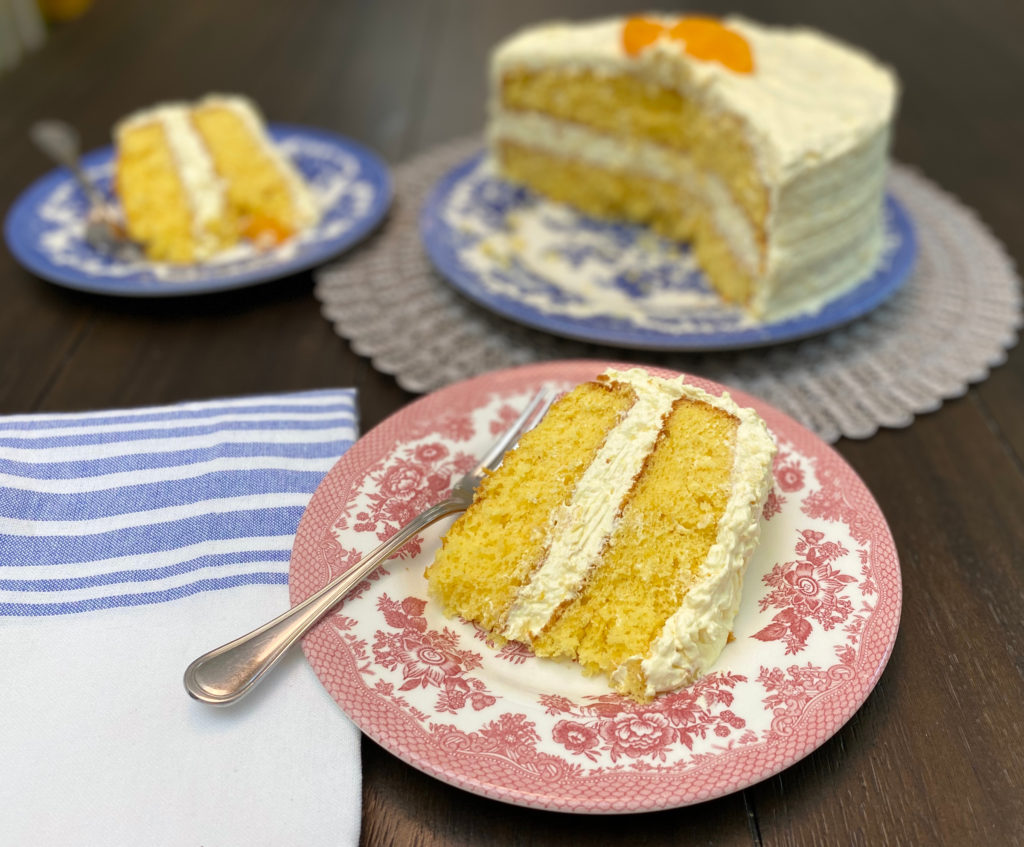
column 695, row 634
column 816, row 112
column 547, row 133
column 578, row 530
column 306, row 210
column 204, row 189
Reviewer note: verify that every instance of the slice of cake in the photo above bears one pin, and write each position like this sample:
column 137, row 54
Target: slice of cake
column 171, row 197
column 766, row 148
column 617, row 532
column 194, row 179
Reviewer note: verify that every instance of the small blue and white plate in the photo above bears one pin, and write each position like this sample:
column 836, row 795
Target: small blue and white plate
column 45, row 228
column 546, row 266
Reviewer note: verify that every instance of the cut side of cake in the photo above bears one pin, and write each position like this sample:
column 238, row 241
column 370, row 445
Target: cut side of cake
column 194, row 179
column 171, row 197
column 617, row 533
column 766, row 148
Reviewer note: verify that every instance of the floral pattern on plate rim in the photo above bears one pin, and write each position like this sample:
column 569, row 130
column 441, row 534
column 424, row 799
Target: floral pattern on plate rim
column 818, row 619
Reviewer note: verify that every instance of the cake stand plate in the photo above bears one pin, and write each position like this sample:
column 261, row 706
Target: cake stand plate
column 45, row 228
column 546, row 266
column 818, row 619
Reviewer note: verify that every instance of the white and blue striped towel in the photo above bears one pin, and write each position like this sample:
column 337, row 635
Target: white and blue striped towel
column 131, row 541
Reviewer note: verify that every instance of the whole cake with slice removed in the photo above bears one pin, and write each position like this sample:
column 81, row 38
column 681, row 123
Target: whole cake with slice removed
column 617, row 533
column 767, row 148
column 194, row 179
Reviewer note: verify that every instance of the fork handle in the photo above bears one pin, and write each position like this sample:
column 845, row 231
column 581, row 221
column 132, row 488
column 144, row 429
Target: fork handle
column 59, row 140
column 228, row 673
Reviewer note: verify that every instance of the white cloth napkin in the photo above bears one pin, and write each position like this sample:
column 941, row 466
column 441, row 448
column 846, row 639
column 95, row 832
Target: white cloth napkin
column 131, row 542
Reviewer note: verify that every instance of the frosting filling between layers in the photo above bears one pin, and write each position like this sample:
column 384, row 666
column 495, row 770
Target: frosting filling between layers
column 578, row 530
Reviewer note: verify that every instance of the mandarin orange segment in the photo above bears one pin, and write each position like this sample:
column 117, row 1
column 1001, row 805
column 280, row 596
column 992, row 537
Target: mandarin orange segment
column 265, row 231
column 639, row 33
column 708, row 40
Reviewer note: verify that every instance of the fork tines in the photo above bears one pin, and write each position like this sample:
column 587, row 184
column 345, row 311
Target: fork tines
column 534, row 411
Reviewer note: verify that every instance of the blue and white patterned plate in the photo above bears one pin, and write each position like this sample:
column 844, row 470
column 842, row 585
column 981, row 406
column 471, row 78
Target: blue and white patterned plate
column 45, row 227
column 543, row 265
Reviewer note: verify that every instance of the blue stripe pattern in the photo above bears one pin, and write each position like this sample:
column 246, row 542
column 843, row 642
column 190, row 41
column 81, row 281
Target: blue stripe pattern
column 108, row 502
column 143, row 461
column 103, row 510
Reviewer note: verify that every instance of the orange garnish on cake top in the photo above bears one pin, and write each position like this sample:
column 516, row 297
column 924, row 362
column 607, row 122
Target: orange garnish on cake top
column 640, row 33
column 707, row 39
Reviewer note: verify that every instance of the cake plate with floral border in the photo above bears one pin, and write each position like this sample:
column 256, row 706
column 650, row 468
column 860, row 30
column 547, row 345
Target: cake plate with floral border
column 546, row 266
column 45, row 228
column 818, row 619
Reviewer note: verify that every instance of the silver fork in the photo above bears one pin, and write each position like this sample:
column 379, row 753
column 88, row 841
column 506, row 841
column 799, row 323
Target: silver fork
column 228, row 673
column 104, row 229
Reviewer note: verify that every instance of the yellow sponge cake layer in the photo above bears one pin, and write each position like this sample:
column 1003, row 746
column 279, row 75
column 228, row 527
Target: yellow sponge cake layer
column 633, row 566
column 500, row 537
column 152, row 196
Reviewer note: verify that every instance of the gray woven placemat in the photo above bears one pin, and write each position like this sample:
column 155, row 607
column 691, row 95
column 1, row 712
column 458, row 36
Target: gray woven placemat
column 952, row 321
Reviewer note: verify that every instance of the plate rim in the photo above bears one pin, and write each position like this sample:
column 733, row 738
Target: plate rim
column 354, row 705
column 22, row 211
column 443, row 258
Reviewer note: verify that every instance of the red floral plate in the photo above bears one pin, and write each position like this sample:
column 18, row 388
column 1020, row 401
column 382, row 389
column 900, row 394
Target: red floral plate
column 820, row 610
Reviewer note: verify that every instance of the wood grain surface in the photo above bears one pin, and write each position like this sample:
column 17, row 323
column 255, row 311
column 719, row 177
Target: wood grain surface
column 935, row 755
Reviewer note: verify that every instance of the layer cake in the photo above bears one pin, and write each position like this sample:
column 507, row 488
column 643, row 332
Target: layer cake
column 765, row 147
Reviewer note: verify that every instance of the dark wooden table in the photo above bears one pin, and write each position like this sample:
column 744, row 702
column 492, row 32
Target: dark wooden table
column 935, row 755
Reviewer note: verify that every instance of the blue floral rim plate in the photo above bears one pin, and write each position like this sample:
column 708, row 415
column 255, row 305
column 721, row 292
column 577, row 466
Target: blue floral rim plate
column 45, row 227
column 543, row 265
